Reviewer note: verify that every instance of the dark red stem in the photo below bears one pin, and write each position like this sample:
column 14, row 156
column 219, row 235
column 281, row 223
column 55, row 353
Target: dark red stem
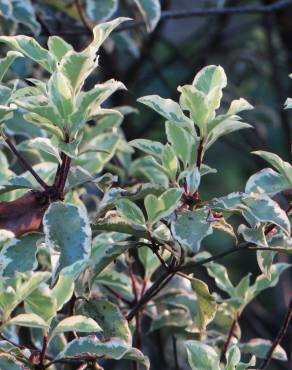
column 26, row 164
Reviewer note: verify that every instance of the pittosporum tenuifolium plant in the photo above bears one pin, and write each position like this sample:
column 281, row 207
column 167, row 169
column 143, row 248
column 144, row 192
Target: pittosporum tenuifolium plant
column 70, row 273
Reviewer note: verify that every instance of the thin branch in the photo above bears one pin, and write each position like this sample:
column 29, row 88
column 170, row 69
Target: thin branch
column 174, row 346
column 26, row 164
column 165, row 277
column 118, row 296
column 206, row 12
column 283, row 330
column 82, row 15
column 229, row 337
column 44, row 350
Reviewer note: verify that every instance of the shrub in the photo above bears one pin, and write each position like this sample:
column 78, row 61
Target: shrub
column 96, row 252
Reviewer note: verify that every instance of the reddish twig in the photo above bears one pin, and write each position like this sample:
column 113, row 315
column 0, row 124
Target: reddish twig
column 82, row 15
column 43, row 351
column 278, row 340
column 26, row 164
column 229, row 337
column 118, row 296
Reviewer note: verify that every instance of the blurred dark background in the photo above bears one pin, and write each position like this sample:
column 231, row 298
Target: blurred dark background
column 255, row 50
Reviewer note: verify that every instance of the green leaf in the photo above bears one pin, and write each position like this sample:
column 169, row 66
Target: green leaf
column 113, row 222
column 24, row 13
column 60, row 94
column 64, row 287
column 253, row 235
column 7, row 61
column 196, row 103
column 190, row 228
column 163, row 206
column 58, row 47
column 269, row 181
column 42, row 144
column 170, row 162
column 264, row 209
column 209, row 78
column 109, row 317
column 193, row 179
column 150, row 261
column 238, row 106
column 32, row 49
column 19, row 255
column 181, row 141
column 29, row 320
column 206, row 303
column 79, row 323
column 174, row 318
column 263, row 282
column 6, row 113
column 9, row 362
column 219, row 273
column 113, row 349
column 42, row 303
column 260, row 348
column 225, row 127
column 101, row 10
column 76, row 67
column 166, row 108
column 67, row 230
column 130, row 212
column 232, row 357
column 283, row 167
column 151, row 147
column 106, row 247
column 100, row 33
column 15, row 182
column 150, row 11
column 201, row 356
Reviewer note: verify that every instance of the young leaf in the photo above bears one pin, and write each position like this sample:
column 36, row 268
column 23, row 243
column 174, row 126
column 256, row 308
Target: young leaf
column 166, row 108
column 67, row 230
column 60, row 94
column 130, row 212
column 209, row 78
column 193, row 180
column 76, row 67
column 181, row 141
column 58, row 47
column 190, row 228
column 169, row 161
column 163, row 206
column 207, row 306
column 100, row 33
column 201, row 356
column 238, row 106
column 151, row 147
column 196, row 103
